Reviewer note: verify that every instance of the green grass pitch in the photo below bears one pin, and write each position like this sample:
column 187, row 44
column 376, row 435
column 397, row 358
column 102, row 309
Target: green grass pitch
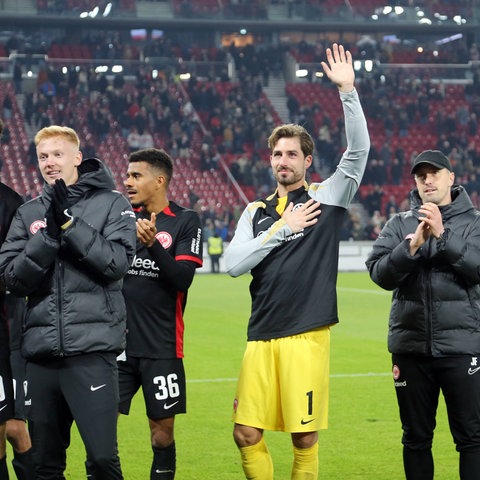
column 363, row 439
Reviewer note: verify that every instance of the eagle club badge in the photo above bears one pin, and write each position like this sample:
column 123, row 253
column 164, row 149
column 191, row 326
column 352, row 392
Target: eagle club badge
column 36, row 226
column 164, row 238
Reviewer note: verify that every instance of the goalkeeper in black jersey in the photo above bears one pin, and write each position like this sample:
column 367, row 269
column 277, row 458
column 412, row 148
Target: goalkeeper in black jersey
column 289, row 242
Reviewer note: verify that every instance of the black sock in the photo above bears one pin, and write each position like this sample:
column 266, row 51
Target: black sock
column 23, row 465
column 418, row 464
column 164, row 463
column 3, row 469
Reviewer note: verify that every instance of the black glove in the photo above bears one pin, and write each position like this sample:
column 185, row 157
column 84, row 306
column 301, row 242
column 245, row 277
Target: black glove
column 53, row 230
column 61, row 205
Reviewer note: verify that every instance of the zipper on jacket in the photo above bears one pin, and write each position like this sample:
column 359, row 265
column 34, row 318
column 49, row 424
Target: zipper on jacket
column 59, row 307
column 108, row 300
column 428, row 313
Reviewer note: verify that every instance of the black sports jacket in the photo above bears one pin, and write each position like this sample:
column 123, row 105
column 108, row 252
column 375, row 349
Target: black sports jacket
column 75, row 303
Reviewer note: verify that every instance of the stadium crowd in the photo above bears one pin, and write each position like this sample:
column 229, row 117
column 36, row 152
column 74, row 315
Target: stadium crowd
column 216, row 118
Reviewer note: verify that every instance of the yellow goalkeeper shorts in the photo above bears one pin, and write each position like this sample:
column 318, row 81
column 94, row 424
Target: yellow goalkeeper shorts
column 284, row 383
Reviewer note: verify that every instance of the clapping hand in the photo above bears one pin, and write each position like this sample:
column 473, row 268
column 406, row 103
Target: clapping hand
column 61, row 205
column 146, row 230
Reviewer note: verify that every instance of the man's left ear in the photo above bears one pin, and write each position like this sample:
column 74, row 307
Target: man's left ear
column 79, row 159
column 308, row 161
column 161, row 181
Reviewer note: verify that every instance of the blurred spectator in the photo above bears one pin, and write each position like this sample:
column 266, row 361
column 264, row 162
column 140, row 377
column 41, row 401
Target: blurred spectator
column 145, row 139
column 49, row 89
column 184, row 146
column 374, row 226
column 5, row 138
column 396, row 172
column 7, row 107
column 373, row 201
column 472, row 125
column 18, row 77
column 133, row 139
column 391, row 206
column 293, row 108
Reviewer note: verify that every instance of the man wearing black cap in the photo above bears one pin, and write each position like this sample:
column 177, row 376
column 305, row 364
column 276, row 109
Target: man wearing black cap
column 430, row 256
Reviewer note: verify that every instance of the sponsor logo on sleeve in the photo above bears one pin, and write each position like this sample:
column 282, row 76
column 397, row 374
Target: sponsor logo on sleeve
column 195, row 247
column 130, row 213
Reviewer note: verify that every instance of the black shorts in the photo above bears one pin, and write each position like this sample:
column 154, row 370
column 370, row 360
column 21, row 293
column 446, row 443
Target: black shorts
column 7, row 403
column 162, row 382
column 19, row 373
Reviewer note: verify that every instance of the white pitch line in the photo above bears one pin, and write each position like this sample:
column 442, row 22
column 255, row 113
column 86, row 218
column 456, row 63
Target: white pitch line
column 351, row 375
column 334, row 375
column 338, row 375
column 213, row 380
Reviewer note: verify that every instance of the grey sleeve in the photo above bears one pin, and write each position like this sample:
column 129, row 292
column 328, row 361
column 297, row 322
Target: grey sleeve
column 340, row 188
column 246, row 251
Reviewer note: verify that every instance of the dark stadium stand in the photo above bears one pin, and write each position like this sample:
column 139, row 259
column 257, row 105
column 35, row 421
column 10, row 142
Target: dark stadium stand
column 231, row 118
column 82, row 52
column 15, row 171
column 211, row 186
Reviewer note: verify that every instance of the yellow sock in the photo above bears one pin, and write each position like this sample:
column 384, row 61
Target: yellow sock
column 257, row 462
column 305, row 463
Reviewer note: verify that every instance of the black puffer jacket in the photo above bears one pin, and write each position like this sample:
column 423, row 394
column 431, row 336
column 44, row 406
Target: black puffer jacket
column 436, row 293
column 75, row 303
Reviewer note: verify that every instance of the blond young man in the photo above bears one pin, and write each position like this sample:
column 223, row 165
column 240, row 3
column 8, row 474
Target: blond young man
column 67, row 252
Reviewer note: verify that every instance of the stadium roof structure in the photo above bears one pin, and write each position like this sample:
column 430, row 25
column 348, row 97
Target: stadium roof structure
column 443, row 19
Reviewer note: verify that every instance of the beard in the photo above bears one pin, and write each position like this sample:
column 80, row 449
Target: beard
column 137, row 204
column 287, row 178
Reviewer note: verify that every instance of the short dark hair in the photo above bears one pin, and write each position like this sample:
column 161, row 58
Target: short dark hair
column 155, row 157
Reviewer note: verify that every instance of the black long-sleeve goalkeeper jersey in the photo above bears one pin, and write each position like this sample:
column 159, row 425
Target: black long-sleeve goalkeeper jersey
column 293, row 288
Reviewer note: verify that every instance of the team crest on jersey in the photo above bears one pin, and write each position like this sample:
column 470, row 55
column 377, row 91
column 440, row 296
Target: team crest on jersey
column 297, row 206
column 396, row 372
column 164, row 238
column 36, row 226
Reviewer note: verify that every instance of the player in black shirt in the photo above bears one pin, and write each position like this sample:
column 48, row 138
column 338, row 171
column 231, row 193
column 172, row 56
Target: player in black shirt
column 14, row 429
column 169, row 249
column 10, row 404
column 17, row 432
